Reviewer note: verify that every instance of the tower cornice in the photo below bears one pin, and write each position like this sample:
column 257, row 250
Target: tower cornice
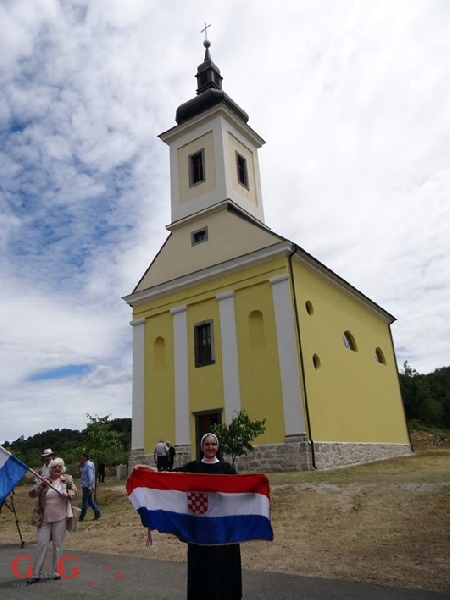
column 178, row 130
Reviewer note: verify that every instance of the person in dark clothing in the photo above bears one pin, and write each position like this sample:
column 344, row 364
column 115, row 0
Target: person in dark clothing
column 214, row 572
column 170, row 455
column 101, row 472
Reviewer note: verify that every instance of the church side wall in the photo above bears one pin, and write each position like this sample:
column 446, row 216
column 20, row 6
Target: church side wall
column 351, row 396
column 354, row 402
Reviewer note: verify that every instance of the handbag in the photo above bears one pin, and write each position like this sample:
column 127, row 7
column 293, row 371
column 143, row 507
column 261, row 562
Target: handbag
column 72, row 522
column 36, row 517
column 72, row 512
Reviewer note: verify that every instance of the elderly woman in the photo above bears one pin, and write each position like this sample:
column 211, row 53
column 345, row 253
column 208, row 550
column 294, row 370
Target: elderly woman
column 214, row 572
column 54, row 495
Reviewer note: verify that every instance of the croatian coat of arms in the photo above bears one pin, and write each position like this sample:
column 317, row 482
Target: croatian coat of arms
column 197, row 502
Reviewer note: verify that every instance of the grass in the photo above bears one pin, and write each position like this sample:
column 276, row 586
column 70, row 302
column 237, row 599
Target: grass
column 385, row 522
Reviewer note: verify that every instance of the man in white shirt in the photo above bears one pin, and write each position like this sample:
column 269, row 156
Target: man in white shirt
column 47, row 455
column 160, row 456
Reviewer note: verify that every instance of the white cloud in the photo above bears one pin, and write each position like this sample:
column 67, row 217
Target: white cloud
column 351, row 98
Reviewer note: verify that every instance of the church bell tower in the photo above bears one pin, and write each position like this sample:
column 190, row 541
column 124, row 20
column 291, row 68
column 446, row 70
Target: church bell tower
column 213, row 151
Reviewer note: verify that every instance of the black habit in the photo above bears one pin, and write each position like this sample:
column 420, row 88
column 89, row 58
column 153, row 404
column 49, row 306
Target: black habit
column 214, row 572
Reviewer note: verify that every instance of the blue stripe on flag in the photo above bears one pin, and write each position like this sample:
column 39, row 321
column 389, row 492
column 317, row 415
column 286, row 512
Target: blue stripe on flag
column 208, row 530
column 11, row 473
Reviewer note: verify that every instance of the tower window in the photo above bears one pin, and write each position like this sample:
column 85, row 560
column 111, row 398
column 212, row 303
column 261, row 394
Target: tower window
column 199, row 236
column 204, row 344
column 197, row 167
column 242, row 173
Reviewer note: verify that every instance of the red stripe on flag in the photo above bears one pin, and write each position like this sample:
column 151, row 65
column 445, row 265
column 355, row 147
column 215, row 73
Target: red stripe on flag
column 188, row 482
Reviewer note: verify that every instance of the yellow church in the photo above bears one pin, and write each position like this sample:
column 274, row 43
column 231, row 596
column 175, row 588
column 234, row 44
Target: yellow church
column 229, row 316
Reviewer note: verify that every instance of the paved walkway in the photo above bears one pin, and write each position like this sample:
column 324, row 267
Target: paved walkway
column 122, row 577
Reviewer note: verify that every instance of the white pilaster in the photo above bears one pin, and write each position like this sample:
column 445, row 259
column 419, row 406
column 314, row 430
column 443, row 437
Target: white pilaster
column 180, row 344
column 137, row 407
column 287, row 356
column 230, row 366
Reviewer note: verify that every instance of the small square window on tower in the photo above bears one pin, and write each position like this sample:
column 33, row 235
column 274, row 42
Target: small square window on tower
column 204, row 344
column 196, row 167
column 199, row 236
column 242, row 173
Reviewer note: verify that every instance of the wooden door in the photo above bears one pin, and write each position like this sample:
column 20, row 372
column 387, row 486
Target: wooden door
column 203, row 424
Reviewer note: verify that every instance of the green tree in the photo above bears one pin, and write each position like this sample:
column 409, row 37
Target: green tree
column 123, row 428
column 237, row 437
column 64, row 442
column 101, row 442
column 410, row 388
column 425, row 396
column 439, row 385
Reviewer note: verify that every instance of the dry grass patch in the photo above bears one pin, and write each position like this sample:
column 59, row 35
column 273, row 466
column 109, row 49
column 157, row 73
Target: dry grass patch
column 385, row 522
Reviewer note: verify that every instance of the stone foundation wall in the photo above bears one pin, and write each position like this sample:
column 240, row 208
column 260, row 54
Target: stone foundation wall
column 136, row 457
column 183, row 455
column 293, row 455
column 330, row 455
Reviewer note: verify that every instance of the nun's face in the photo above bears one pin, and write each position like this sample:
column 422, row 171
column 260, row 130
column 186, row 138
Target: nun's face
column 210, row 447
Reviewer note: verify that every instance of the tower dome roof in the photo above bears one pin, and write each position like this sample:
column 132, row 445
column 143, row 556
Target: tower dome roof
column 209, row 92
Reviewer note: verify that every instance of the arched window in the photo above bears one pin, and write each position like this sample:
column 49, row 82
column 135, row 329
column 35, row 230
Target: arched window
column 309, row 308
column 349, row 341
column 256, row 330
column 159, row 354
column 379, row 356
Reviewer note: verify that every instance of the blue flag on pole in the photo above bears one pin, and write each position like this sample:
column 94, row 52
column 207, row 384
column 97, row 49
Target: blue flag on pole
column 12, row 471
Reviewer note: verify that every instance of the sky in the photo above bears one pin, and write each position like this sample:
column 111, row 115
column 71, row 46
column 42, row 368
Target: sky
column 352, row 99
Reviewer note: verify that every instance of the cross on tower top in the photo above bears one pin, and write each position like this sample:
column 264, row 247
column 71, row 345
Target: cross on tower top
column 204, row 30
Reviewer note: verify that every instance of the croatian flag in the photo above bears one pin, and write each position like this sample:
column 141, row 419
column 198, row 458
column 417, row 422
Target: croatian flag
column 11, row 472
column 203, row 509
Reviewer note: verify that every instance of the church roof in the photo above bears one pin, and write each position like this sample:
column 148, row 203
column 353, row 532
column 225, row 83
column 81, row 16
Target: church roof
column 239, row 240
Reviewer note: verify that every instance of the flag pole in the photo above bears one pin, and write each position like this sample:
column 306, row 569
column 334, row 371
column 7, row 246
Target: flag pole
column 12, row 508
column 44, row 480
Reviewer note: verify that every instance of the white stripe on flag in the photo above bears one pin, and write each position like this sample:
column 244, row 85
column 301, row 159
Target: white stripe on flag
column 4, row 455
column 219, row 504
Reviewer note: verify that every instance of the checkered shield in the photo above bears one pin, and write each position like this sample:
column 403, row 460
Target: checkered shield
column 197, row 502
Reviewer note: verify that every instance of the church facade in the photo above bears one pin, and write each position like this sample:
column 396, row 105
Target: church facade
column 229, row 316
